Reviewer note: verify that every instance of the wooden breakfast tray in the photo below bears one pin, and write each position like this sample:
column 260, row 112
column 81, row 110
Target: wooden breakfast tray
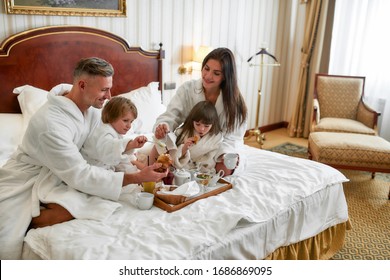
column 171, row 208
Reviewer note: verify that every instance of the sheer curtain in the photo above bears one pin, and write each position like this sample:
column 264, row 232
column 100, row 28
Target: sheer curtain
column 361, row 47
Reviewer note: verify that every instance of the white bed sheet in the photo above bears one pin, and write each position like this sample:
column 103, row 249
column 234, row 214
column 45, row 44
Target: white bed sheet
column 278, row 201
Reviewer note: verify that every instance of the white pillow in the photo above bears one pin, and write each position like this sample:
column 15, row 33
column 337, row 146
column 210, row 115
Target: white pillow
column 148, row 102
column 11, row 134
column 30, row 100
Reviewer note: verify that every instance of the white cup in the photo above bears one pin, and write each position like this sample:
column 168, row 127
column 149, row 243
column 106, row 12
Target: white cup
column 144, row 200
column 230, row 160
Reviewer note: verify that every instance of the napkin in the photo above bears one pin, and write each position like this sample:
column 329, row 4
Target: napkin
column 187, row 189
column 169, row 143
column 178, row 195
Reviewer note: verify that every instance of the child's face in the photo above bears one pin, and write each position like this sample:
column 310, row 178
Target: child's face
column 201, row 128
column 123, row 124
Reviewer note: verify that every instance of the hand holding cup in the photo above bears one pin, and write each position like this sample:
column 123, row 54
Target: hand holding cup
column 230, row 160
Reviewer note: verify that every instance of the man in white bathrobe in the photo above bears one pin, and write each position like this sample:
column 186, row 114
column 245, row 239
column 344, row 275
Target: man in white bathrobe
column 47, row 181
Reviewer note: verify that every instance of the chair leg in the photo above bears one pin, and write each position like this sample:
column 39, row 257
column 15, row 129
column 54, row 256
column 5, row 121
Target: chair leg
column 389, row 193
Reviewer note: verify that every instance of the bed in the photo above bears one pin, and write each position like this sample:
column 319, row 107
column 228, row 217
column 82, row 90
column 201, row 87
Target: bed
column 282, row 208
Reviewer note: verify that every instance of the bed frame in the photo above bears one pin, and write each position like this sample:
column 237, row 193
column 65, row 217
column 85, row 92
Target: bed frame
column 36, row 57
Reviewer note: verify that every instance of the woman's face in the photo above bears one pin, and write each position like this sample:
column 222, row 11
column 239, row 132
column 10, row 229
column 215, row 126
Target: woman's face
column 212, row 75
column 123, row 124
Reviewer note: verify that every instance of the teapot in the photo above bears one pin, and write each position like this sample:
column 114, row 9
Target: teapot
column 181, row 176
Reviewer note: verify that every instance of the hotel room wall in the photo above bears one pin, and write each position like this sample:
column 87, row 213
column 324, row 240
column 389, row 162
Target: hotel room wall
column 182, row 26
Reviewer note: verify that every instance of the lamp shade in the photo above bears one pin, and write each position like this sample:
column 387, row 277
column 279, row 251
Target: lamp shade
column 201, row 53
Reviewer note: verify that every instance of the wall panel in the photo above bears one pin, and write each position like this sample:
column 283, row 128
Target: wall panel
column 184, row 25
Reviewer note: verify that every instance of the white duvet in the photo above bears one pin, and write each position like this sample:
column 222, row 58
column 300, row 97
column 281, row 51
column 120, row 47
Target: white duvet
column 278, row 200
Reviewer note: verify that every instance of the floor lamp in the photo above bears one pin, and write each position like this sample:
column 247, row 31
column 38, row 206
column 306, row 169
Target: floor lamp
column 263, row 52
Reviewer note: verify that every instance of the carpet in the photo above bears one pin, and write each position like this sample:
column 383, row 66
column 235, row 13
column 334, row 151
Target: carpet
column 290, row 149
column 368, row 208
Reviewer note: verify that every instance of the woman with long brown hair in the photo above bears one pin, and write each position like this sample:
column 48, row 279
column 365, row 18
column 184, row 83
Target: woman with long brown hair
column 219, row 86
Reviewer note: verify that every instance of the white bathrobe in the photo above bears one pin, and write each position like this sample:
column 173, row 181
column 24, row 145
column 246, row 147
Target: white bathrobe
column 105, row 147
column 189, row 94
column 48, row 167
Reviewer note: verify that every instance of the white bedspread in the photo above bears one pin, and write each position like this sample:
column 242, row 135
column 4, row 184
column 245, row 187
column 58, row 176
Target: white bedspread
column 279, row 200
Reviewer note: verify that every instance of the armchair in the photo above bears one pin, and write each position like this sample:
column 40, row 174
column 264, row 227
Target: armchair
column 344, row 131
column 338, row 106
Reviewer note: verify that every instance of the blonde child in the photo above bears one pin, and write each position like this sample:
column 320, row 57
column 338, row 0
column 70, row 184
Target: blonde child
column 106, row 147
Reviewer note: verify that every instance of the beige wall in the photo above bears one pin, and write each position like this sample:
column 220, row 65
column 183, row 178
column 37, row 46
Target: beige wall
column 183, row 25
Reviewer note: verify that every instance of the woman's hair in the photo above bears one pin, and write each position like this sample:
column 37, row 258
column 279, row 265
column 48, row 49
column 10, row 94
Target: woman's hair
column 116, row 108
column 93, row 66
column 203, row 112
column 236, row 111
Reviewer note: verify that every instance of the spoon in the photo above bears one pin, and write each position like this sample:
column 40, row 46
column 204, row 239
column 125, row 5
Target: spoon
column 161, row 144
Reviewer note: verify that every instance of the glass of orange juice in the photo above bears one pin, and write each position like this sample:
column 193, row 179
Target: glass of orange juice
column 149, row 186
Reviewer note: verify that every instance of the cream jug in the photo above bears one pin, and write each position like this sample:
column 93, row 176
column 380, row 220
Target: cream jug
column 181, row 177
column 213, row 181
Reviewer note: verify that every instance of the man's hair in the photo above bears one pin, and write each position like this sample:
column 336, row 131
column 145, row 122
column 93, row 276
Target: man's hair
column 93, row 66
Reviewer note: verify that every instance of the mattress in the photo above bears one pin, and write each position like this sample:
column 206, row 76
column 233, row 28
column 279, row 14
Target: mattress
column 278, row 200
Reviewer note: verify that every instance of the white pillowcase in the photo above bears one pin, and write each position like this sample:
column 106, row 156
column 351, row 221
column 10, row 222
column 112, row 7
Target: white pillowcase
column 30, row 100
column 11, row 133
column 148, row 102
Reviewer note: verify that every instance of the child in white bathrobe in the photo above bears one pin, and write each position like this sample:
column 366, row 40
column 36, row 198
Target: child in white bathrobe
column 106, row 147
column 198, row 139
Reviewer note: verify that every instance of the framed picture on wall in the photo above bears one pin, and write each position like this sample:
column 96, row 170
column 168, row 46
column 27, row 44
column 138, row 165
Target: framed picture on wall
column 95, row 8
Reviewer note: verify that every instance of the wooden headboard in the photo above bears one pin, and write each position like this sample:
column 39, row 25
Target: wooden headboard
column 45, row 57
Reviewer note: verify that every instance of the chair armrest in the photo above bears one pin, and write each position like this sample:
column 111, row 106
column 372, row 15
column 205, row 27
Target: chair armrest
column 367, row 115
column 316, row 114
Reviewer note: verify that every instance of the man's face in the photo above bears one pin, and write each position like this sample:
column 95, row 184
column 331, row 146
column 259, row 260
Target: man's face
column 96, row 90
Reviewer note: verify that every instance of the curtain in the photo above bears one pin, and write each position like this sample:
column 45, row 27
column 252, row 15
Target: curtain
column 300, row 120
column 360, row 47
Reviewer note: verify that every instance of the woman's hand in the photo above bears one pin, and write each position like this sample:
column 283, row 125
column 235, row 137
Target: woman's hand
column 161, row 131
column 220, row 165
